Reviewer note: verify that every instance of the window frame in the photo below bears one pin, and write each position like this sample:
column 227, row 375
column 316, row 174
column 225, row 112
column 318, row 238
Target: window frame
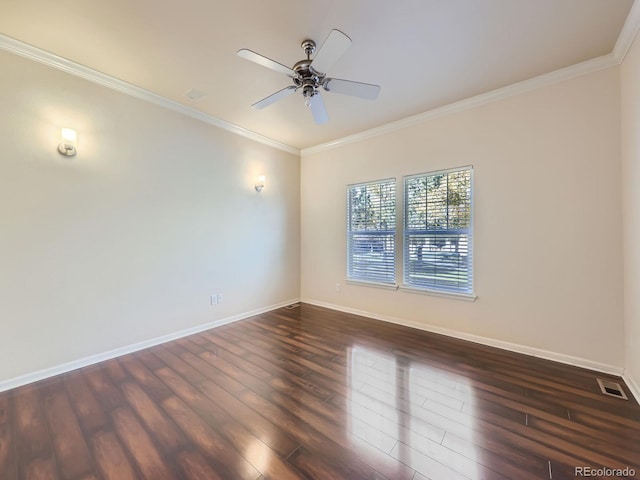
column 389, row 232
column 467, row 294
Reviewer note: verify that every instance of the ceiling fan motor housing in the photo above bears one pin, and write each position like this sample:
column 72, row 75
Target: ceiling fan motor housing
column 306, row 78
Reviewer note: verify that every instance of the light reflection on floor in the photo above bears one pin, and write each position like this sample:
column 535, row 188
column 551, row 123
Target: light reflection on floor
column 411, row 411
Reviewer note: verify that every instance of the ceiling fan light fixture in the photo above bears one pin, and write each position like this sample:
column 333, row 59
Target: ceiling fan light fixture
column 308, row 91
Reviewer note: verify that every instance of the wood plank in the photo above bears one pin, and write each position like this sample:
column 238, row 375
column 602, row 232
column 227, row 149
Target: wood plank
column 624, row 433
column 306, row 426
column 176, row 363
column 227, row 460
column 88, row 409
column 486, row 433
column 105, row 391
column 211, row 408
column 71, row 451
column 272, row 435
column 195, row 467
column 145, row 377
column 371, row 434
column 8, row 468
column 41, row 469
column 500, row 457
column 625, row 455
column 260, row 351
column 114, row 371
column 140, row 447
column 313, row 466
column 33, row 446
column 288, row 373
column 315, row 393
column 111, row 458
column 226, row 382
column 165, row 433
column 258, row 454
column 149, row 359
column 425, row 464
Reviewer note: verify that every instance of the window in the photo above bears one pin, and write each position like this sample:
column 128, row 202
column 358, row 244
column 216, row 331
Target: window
column 438, row 231
column 371, row 229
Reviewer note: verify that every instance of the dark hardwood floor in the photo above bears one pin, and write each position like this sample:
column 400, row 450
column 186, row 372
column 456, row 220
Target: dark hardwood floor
column 317, row 394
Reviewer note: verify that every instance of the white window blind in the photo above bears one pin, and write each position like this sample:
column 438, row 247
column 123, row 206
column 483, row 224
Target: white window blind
column 438, row 231
column 371, row 229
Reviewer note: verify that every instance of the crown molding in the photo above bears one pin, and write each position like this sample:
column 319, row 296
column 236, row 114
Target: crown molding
column 41, row 56
column 624, row 42
column 622, row 46
column 589, row 66
column 628, row 33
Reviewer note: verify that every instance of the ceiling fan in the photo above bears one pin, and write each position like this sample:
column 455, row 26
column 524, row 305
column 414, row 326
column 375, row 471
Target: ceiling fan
column 309, row 75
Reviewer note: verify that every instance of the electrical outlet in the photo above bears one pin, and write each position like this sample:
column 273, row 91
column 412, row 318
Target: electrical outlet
column 338, row 287
column 214, row 299
column 220, row 297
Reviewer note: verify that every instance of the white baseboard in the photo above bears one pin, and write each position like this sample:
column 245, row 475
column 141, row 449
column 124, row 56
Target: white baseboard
column 512, row 347
column 100, row 357
column 633, row 385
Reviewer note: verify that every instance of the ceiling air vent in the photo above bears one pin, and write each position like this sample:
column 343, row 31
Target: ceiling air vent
column 612, row 389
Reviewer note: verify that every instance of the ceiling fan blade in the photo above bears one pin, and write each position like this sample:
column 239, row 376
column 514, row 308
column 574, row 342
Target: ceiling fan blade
column 274, row 97
column 264, row 61
column 331, row 50
column 316, row 104
column 355, row 89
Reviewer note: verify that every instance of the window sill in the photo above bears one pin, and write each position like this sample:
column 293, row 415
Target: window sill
column 467, row 297
column 362, row 283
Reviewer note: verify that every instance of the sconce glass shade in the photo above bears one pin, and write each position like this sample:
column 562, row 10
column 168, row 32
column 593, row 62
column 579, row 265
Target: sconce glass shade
column 260, row 182
column 67, row 146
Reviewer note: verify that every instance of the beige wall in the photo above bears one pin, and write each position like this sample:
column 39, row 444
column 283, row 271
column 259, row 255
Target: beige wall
column 548, row 224
column 127, row 241
column 630, row 102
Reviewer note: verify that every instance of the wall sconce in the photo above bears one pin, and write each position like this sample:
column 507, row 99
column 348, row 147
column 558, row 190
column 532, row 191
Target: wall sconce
column 260, row 183
column 67, row 146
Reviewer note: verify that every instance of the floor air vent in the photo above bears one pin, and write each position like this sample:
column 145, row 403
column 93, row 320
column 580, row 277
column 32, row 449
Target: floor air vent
column 292, row 306
column 612, row 389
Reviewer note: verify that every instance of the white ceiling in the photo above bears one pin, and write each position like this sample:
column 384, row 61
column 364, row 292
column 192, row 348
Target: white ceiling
column 424, row 53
